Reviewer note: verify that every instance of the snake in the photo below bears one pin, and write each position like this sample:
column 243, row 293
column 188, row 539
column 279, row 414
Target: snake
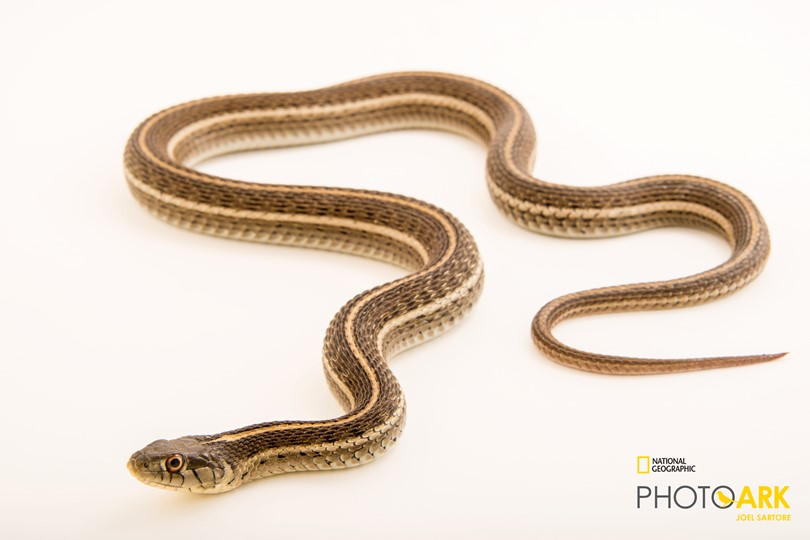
column 444, row 269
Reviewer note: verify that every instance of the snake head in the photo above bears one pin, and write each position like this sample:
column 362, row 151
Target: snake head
column 183, row 464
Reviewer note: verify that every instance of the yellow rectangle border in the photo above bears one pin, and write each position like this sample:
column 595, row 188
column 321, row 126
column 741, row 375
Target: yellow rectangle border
column 645, row 460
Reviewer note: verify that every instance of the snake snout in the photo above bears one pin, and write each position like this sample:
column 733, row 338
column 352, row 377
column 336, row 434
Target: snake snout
column 138, row 463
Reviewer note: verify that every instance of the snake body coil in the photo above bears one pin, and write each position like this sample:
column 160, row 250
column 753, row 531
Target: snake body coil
column 446, row 271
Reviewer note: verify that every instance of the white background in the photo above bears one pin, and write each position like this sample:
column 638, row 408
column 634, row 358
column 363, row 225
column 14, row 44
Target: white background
column 118, row 329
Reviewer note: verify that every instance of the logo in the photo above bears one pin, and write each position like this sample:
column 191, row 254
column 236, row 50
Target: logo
column 769, row 501
column 662, row 464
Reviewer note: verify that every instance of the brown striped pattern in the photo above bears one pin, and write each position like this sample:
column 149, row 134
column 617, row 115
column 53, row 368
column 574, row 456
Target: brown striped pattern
column 446, row 272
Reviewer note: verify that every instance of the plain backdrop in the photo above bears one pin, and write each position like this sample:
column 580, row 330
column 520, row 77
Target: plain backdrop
column 118, row 329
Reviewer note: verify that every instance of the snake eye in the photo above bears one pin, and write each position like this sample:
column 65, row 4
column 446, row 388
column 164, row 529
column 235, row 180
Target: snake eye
column 175, row 462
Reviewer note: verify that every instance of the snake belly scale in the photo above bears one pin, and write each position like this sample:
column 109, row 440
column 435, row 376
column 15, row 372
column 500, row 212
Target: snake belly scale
column 446, row 272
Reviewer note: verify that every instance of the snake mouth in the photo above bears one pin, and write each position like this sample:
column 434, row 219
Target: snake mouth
column 200, row 480
column 138, row 464
column 155, row 479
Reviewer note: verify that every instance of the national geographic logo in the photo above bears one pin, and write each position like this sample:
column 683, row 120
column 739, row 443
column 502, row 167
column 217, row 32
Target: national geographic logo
column 647, row 465
column 688, row 495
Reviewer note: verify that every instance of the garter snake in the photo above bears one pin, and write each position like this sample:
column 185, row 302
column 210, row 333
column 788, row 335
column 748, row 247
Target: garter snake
column 446, row 272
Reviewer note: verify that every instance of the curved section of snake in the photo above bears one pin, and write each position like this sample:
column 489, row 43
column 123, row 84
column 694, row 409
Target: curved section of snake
column 446, row 271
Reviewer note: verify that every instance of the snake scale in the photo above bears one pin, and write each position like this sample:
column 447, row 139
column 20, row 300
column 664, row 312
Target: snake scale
column 446, row 272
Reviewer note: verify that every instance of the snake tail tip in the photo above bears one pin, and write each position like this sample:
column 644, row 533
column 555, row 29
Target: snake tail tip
column 761, row 358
